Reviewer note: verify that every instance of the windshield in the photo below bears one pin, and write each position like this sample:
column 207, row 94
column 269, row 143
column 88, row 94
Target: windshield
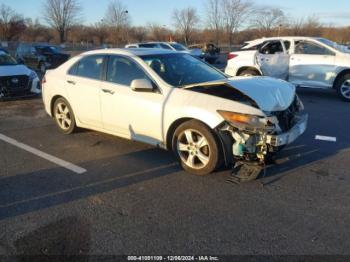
column 178, row 47
column 182, row 69
column 5, row 59
column 334, row 45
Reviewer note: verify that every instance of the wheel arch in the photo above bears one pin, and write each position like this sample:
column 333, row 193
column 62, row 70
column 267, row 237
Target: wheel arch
column 53, row 101
column 339, row 76
column 241, row 69
column 223, row 143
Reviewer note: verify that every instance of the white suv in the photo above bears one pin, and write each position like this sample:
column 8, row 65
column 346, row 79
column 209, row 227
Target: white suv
column 303, row 61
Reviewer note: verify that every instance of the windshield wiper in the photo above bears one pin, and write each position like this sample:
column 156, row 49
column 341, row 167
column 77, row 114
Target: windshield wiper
column 210, row 83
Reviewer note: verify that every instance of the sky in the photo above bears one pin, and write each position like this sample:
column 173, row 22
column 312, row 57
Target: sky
column 335, row 12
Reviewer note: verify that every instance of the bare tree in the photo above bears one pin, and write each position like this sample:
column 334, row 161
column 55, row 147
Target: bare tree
column 185, row 21
column 214, row 18
column 158, row 32
column 139, row 33
column 235, row 14
column 117, row 17
column 62, row 15
column 267, row 19
column 100, row 31
column 11, row 23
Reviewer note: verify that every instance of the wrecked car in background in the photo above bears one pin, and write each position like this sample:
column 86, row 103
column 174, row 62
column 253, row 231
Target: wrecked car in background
column 303, row 61
column 177, row 102
column 16, row 80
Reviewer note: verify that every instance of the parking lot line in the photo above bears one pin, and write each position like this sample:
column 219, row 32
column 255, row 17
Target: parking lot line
column 53, row 159
column 326, row 138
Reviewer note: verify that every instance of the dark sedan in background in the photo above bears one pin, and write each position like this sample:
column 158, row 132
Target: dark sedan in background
column 40, row 56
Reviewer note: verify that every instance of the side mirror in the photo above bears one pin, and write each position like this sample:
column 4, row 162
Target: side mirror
column 141, row 85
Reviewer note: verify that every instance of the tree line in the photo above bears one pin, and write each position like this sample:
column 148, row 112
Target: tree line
column 226, row 22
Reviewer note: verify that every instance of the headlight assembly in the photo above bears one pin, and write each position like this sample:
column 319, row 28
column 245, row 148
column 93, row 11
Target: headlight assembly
column 244, row 121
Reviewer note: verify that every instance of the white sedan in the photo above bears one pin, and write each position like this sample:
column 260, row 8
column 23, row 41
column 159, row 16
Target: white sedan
column 177, row 102
column 303, row 61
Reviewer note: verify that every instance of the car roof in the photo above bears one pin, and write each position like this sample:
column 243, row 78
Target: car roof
column 260, row 40
column 130, row 51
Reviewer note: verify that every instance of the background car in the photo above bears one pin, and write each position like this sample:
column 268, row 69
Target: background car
column 303, row 61
column 177, row 102
column 210, row 52
column 16, row 79
column 174, row 46
column 3, row 50
column 40, row 56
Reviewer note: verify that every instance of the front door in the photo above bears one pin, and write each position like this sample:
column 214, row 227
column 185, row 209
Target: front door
column 133, row 114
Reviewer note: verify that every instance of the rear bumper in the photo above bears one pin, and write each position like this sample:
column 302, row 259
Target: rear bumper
column 289, row 137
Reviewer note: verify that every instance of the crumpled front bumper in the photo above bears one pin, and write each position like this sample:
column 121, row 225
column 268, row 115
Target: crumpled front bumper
column 288, row 137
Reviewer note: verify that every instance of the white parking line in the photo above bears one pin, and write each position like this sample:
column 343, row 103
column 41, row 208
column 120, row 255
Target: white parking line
column 44, row 155
column 326, row 138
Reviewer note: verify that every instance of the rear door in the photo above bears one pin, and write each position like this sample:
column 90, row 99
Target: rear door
column 83, row 86
column 312, row 65
column 273, row 59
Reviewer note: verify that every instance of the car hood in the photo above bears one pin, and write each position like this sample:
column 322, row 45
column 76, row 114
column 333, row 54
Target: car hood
column 270, row 94
column 14, row 70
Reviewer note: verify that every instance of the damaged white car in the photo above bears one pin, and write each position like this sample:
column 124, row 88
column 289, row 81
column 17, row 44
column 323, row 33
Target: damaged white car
column 176, row 102
column 303, row 61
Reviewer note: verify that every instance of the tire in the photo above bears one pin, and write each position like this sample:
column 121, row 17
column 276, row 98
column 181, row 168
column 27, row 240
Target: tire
column 42, row 68
column 249, row 72
column 343, row 87
column 196, row 148
column 64, row 116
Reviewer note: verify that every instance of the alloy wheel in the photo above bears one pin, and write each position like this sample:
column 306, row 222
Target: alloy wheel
column 63, row 116
column 345, row 89
column 193, row 149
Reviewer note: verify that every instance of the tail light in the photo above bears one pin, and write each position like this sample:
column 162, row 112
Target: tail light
column 43, row 81
column 231, row 56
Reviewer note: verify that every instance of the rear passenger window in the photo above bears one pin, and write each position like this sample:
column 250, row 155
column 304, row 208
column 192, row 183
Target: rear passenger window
column 272, row 48
column 89, row 67
column 123, row 71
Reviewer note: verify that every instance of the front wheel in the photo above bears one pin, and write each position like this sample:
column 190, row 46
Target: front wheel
column 64, row 116
column 196, row 148
column 343, row 87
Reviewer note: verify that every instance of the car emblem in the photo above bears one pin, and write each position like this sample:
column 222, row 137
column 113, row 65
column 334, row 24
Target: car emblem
column 14, row 80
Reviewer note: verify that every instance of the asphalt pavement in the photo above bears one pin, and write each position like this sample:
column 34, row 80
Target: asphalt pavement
column 135, row 199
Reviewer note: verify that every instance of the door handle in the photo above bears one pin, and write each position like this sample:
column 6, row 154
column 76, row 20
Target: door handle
column 108, row 91
column 71, row 82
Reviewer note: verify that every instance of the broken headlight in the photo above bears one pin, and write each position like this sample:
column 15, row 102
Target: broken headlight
column 243, row 120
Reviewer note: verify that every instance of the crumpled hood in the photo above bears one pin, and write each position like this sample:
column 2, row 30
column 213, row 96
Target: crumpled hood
column 12, row 70
column 270, row 94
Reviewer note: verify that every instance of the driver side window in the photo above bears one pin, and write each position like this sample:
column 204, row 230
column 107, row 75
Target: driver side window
column 309, row 48
column 272, row 48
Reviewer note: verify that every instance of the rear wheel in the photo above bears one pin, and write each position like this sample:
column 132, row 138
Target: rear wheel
column 196, row 148
column 343, row 87
column 249, row 72
column 64, row 116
